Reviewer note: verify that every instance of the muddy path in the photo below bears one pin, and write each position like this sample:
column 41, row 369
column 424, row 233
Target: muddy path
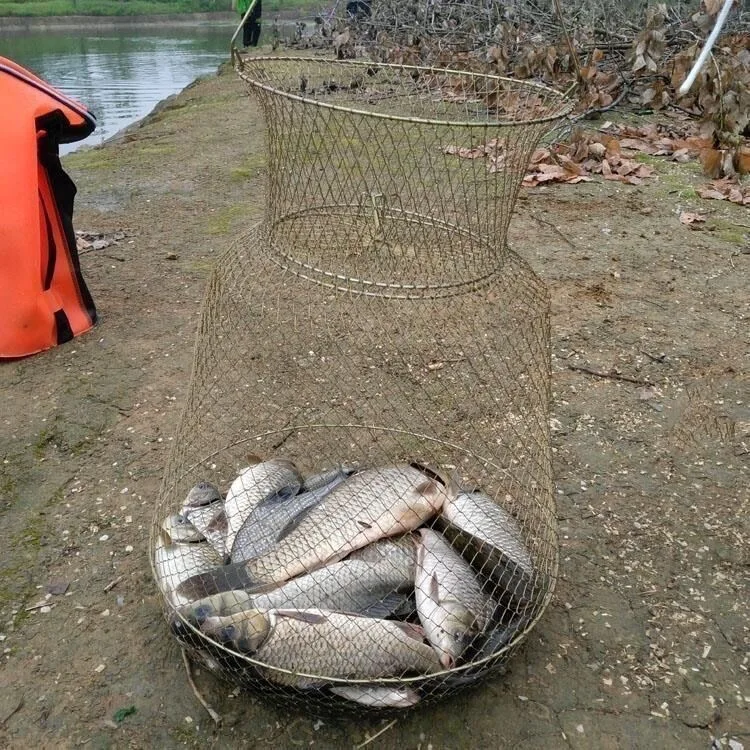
column 647, row 641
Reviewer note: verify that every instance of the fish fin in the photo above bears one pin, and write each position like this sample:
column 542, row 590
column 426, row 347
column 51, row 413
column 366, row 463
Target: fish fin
column 286, row 493
column 216, row 581
column 386, row 607
column 434, row 589
column 413, row 631
column 455, row 486
column 430, row 488
column 421, row 551
column 253, row 459
column 303, row 615
column 433, row 474
column 293, row 524
column 219, row 523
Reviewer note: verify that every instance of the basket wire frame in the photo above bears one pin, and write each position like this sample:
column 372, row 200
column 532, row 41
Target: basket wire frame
column 377, row 318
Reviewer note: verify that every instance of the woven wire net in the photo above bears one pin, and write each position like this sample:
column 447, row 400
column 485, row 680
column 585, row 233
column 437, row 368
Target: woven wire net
column 373, row 340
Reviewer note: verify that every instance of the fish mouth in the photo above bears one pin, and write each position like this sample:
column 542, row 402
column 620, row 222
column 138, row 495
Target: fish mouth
column 447, row 661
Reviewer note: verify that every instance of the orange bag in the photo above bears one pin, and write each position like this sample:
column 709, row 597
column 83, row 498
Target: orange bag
column 44, row 300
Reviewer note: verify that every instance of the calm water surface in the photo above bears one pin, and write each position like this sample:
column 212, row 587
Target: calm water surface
column 120, row 75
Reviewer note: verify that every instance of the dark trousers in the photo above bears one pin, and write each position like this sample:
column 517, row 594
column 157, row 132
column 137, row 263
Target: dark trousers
column 251, row 29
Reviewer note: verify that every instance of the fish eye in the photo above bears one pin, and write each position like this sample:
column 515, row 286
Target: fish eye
column 228, row 633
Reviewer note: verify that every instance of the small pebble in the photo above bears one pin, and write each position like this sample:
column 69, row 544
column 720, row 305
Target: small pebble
column 104, row 537
column 100, row 668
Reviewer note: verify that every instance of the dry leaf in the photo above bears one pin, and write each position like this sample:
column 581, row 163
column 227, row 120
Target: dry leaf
column 713, row 6
column 692, row 220
column 710, row 159
column 712, row 193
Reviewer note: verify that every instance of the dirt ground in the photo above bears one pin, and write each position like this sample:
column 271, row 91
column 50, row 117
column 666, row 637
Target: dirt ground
column 647, row 641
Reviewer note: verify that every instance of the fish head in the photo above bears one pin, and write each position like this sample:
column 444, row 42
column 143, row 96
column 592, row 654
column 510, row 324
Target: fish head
column 244, row 631
column 217, row 605
column 454, row 628
column 179, row 529
column 203, row 493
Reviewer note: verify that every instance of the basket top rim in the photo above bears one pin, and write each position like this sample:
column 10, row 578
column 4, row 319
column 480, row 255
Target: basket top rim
column 566, row 103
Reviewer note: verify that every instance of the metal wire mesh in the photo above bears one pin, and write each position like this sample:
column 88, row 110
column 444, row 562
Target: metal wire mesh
column 376, row 328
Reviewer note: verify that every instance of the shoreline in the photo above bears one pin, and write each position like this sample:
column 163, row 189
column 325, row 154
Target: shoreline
column 65, row 23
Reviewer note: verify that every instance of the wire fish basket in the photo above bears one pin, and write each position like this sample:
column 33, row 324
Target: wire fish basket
column 358, row 507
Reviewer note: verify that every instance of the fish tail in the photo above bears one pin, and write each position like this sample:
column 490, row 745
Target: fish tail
column 218, row 580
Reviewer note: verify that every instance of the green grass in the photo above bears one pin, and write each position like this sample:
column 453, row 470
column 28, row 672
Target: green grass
column 44, row 8
column 222, row 221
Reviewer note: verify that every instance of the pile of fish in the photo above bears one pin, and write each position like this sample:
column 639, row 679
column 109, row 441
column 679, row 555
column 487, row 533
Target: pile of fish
column 362, row 574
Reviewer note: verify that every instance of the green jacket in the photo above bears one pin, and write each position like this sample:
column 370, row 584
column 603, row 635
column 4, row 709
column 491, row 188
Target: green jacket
column 242, row 6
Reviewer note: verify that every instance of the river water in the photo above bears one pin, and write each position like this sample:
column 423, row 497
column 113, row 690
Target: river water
column 120, row 74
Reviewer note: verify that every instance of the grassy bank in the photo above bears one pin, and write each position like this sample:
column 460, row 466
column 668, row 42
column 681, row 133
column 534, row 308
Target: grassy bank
column 45, row 8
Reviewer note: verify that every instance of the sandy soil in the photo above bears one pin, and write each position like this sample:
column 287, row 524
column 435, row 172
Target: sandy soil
column 647, row 641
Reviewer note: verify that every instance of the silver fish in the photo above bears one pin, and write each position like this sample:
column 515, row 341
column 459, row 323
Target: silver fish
column 376, row 584
column 370, row 505
column 179, row 529
column 478, row 515
column 321, row 644
column 244, row 631
column 378, row 696
column 175, row 562
column 200, row 495
column 204, row 508
column 278, row 476
column 218, row 605
column 450, row 602
column 276, row 516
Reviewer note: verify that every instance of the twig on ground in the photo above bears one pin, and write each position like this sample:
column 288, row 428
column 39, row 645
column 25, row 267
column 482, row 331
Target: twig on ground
column 17, row 707
column 376, row 735
column 215, row 716
column 609, row 375
column 112, row 584
column 559, row 233
column 654, row 358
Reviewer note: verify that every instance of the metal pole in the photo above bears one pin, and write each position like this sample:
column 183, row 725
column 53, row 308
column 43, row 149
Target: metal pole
column 706, row 51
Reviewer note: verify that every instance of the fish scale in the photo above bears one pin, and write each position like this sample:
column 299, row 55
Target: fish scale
column 333, row 644
column 176, row 562
column 253, row 485
column 370, row 505
column 275, row 516
column 359, row 584
column 450, row 602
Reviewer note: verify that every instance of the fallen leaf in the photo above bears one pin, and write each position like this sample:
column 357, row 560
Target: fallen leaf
column 712, row 193
column 57, row 588
column 692, row 220
column 710, row 160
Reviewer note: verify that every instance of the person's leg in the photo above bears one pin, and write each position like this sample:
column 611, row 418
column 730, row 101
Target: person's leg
column 255, row 33
column 247, row 33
